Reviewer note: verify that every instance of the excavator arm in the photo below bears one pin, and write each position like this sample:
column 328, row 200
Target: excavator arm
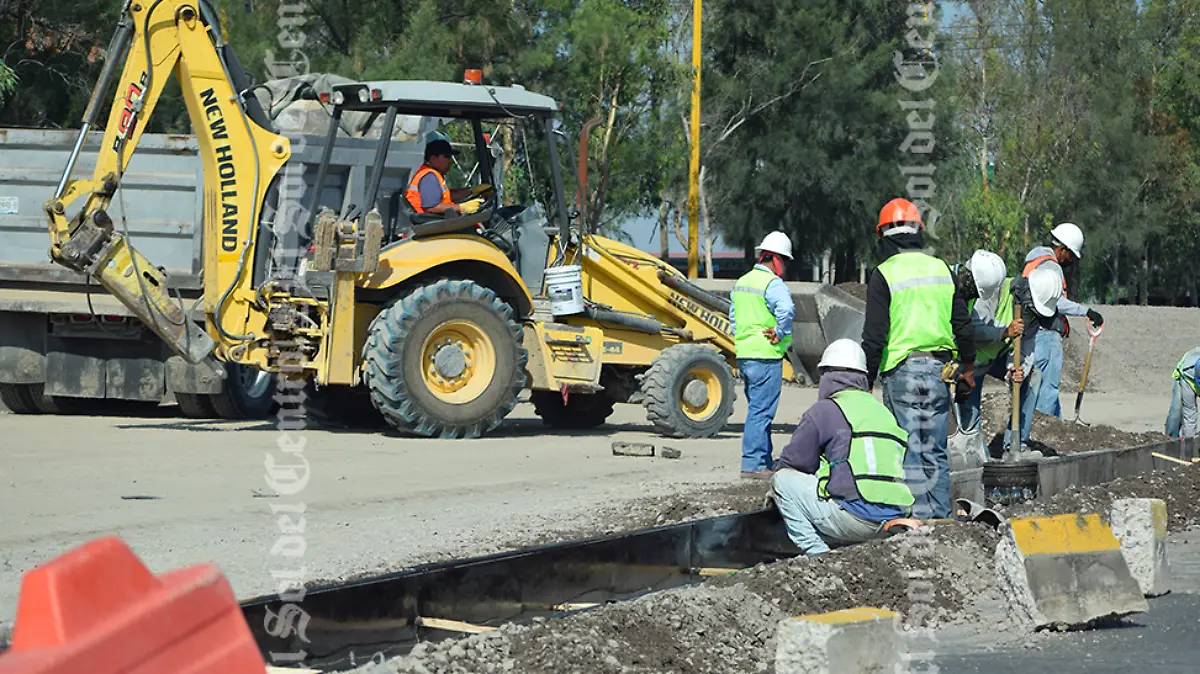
column 156, row 39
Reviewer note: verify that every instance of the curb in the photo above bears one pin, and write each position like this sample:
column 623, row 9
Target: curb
column 861, row 639
column 1140, row 524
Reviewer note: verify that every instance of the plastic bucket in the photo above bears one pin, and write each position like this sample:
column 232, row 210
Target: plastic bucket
column 564, row 285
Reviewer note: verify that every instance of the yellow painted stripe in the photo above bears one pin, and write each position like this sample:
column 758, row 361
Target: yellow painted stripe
column 858, row 614
column 1063, row 534
column 1158, row 512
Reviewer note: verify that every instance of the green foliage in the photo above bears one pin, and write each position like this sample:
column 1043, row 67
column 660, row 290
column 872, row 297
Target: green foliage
column 991, row 219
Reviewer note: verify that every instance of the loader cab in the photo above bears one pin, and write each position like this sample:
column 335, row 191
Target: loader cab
column 519, row 217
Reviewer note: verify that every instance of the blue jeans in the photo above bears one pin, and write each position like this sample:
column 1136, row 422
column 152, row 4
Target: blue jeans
column 1029, row 401
column 813, row 522
column 1048, row 360
column 763, row 382
column 920, row 401
column 968, row 411
column 1182, row 416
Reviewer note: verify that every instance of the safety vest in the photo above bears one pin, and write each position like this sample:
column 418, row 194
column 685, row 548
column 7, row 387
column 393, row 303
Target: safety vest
column 877, row 448
column 413, row 193
column 922, row 290
column 1190, row 361
column 1004, row 314
column 751, row 316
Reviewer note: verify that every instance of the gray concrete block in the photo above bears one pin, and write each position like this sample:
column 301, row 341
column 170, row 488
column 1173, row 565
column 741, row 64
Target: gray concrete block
column 1140, row 524
column 859, row 640
column 632, row 449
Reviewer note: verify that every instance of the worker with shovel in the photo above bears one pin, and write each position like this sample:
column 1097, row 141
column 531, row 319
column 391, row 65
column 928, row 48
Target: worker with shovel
column 1037, row 294
column 841, row 477
column 1183, row 421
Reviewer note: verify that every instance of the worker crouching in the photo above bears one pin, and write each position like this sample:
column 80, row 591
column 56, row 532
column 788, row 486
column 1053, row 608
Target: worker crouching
column 841, row 477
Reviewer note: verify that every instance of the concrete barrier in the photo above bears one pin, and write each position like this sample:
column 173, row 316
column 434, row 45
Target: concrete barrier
column 1140, row 524
column 1065, row 572
column 853, row 641
column 967, row 484
column 1059, row 473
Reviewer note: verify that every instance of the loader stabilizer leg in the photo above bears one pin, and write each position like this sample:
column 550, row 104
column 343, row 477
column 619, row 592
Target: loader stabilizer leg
column 96, row 250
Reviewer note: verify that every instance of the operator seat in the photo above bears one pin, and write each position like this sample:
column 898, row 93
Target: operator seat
column 408, row 223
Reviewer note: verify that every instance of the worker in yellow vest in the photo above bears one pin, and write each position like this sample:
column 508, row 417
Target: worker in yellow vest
column 841, row 477
column 917, row 337
column 1183, row 420
column 760, row 314
column 427, row 191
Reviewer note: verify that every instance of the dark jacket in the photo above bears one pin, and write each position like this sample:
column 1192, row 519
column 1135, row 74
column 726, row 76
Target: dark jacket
column 879, row 300
column 823, row 430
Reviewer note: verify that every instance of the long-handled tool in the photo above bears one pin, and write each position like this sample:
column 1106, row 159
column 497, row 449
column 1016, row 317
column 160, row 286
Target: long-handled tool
column 1087, row 365
column 1014, row 435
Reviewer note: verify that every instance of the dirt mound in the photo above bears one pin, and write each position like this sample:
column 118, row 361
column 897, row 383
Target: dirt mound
column 855, row 288
column 1136, row 351
column 1178, row 487
column 728, row 624
column 1060, row 435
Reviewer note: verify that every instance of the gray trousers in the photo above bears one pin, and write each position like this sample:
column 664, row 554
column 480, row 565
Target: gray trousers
column 813, row 522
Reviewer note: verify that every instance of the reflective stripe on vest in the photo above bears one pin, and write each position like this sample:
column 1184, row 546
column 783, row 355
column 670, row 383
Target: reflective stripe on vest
column 751, row 316
column 922, row 290
column 877, row 448
column 1189, row 362
column 987, row 353
column 413, row 193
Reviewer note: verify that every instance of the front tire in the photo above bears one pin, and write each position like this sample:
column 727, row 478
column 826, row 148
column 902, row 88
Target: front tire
column 583, row 410
column 689, row 391
column 445, row 361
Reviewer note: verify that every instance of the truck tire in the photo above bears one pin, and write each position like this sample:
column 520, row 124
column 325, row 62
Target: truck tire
column 195, row 406
column 246, row 394
column 18, row 398
column 583, row 410
column 689, row 391
column 446, row 360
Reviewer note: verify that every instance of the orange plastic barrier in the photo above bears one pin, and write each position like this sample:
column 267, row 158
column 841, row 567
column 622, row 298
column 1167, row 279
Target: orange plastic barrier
column 98, row 610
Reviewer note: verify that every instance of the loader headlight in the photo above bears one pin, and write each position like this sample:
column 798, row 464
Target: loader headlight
column 363, row 95
column 338, row 98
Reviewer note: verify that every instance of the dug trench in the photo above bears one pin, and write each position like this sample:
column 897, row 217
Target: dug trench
column 727, row 623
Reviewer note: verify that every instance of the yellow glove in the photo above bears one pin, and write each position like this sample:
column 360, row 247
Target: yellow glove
column 479, row 190
column 472, row 206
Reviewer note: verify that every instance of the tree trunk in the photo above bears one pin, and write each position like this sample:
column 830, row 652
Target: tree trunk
column 1144, row 286
column 664, row 234
column 706, row 226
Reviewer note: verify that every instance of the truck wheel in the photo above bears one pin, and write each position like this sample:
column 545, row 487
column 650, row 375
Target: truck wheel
column 247, row 393
column 689, row 391
column 583, row 410
column 18, row 398
column 445, row 361
column 195, row 406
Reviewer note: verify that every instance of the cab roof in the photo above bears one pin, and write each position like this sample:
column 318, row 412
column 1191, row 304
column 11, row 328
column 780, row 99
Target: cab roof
column 445, row 99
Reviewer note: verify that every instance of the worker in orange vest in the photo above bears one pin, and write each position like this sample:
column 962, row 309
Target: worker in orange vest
column 1066, row 247
column 427, row 191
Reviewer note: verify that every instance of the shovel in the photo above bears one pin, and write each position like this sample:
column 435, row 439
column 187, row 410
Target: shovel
column 1087, row 365
column 1015, row 432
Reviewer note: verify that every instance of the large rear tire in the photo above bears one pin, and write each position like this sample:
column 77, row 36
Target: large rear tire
column 18, row 398
column 583, row 410
column 447, row 360
column 689, row 391
column 195, row 406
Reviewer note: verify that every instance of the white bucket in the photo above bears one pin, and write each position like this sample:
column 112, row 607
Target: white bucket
column 564, row 285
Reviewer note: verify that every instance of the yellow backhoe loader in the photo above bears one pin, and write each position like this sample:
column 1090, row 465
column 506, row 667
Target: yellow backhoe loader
column 442, row 320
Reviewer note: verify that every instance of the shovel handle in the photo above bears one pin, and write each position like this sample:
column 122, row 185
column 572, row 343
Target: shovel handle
column 1016, row 395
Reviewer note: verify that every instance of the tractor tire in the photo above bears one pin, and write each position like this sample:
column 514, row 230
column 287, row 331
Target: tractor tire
column 246, row 394
column 342, row 407
column 446, row 360
column 195, row 406
column 689, row 391
column 18, row 398
column 583, row 410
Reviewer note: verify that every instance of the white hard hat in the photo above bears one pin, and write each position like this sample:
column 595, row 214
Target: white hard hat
column 1046, row 286
column 1070, row 236
column 844, row 353
column 989, row 272
column 776, row 242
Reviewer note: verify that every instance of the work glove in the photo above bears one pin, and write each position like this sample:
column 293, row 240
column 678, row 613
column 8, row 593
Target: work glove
column 1095, row 317
column 472, row 206
column 483, row 189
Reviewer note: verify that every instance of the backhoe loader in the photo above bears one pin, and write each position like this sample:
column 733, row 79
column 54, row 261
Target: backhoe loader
column 442, row 321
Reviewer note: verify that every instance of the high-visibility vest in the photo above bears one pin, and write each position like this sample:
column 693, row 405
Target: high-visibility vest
column 877, row 448
column 751, row 316
column 1188, row 369
column 413, row 193
column 922, row 290
column 987, row 353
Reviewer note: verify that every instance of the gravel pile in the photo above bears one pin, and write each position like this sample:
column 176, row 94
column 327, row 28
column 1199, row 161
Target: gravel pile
column 855, row 288
column 1178, row 487
column 1063, row 436
column 1136, row 351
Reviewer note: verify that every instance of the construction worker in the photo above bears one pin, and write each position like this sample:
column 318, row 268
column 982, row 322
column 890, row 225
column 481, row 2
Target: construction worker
column 760, row 315
column 993, row 322
column 427, row 191
column 1066, row 247
column 916, row 328
column 841, row 477
column 1182, row 419
column 1037, row 295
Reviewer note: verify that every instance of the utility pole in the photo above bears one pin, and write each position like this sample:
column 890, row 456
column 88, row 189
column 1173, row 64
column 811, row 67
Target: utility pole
column 694, row 165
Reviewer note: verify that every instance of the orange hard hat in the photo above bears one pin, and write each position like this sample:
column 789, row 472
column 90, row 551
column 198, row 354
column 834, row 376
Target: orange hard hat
column 897, row 211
